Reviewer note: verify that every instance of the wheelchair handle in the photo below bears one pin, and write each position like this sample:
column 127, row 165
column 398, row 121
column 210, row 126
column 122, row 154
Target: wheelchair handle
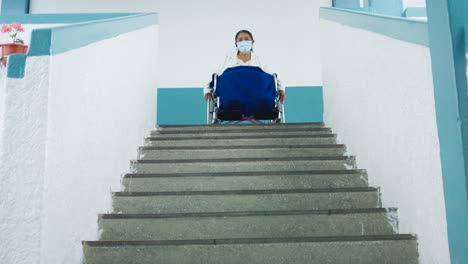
column 214, row 79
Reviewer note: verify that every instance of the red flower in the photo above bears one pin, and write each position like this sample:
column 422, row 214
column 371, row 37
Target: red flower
column 6, row 28
column 17, row 26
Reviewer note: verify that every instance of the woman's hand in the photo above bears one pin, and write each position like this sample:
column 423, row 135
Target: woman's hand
column 207, row 96
column 282, row 96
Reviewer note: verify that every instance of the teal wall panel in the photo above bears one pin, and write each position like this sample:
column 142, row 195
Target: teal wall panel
column 304, row 104
column 447, row 20
column 68, row 18
column 177, row 106
column 16, row 65
column 351, row 5
column 15, row 7
column 415, row 12
column 384, row 7
column 408, row 30
column 346, row 3
column 181, row 106
column 56, row 40
column 387, row 7
column 79, row 35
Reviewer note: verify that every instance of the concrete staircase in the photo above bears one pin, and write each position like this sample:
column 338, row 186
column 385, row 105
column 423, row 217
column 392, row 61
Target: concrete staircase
column 283, row 193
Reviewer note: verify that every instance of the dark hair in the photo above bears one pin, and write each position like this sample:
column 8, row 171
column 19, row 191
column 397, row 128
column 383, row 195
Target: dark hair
column 243, row 31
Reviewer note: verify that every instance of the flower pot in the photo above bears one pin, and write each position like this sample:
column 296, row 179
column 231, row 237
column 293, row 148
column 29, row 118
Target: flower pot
column 12, row 48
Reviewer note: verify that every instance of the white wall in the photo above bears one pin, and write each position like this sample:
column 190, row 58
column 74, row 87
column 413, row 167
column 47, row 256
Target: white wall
column 195, row 35
column 22, row 168
column 2, row 106
column 378, row 97
column 71, row 127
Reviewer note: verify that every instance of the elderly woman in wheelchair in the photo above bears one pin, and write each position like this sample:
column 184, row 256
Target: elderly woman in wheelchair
column 244, row 90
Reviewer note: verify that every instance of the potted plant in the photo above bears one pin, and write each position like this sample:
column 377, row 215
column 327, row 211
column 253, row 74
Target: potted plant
column 18, row 44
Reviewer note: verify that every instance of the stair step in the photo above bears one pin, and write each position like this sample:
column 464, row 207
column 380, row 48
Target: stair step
column 270, row 224
column 234, row 132
column 244, row 180
column 241, row 164
column 211, row 152
column 245, row 200
column 237, row 127
column 321, row 139
column 389, row 249
column 269, row 193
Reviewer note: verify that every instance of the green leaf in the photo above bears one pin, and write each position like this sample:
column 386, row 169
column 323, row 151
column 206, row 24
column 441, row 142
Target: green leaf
column 20, row 41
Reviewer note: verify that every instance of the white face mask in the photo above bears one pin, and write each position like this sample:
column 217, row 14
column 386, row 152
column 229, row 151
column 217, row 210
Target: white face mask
column 244, row 46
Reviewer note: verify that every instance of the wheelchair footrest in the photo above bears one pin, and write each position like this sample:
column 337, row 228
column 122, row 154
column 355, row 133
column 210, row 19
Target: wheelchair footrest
column 266, row 115
column 229, row 115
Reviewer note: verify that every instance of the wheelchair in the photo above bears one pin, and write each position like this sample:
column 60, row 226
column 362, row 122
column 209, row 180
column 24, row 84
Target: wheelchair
column 244, row 94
